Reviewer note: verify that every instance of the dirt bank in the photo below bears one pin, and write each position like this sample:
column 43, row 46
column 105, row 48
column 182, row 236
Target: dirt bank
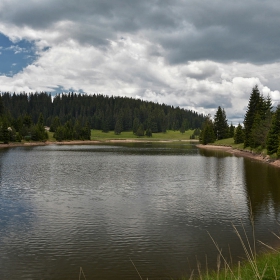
column 241, row 153
column 87, row 142
column 27, row 144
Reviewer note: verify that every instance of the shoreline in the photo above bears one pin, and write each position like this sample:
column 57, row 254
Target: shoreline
column 241, row 153
column 87, row 142
column 228, row 149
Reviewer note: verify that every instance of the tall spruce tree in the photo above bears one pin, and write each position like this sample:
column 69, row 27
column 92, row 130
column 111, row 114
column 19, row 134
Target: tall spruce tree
column 1, row 106
column 231, row 130
column 239, row 135
column 5, row 132
column 140, row 131
column 55, row 124
column 255, row 105
column 118, row 126
column 273, row 138
column 149, row 132
column 38, row 132
column 221, row 127
column 207, row 134
column 136, row 124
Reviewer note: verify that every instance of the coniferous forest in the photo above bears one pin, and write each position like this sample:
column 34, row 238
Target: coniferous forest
column 260, row 130
column 72, row 116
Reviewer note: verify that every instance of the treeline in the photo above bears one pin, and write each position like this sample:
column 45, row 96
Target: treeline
column 216, row 129
column 71, row 116
column 260, row 130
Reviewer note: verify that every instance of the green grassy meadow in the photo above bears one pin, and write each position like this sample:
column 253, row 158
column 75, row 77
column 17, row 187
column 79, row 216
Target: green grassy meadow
column 169, row 135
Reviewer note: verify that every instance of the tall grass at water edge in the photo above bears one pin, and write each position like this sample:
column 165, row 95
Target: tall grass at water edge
column 265, row 266
column 262, row 267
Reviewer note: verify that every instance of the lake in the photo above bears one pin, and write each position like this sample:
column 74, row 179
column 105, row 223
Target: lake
column 108, row 208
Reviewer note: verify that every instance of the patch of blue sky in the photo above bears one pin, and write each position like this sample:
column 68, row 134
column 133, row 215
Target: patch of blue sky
column 61, row 89
column 14, row 57
column 57, row 90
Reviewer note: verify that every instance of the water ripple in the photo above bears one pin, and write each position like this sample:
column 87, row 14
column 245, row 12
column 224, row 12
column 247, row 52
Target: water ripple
column 97, row 207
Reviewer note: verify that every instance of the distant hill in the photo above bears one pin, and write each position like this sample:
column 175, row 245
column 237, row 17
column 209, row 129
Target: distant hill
column 99, row 111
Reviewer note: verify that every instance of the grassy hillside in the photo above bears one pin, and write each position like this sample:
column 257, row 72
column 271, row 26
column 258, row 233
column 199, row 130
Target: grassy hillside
column 104, row 136
column 169, row 135
column 230, row 142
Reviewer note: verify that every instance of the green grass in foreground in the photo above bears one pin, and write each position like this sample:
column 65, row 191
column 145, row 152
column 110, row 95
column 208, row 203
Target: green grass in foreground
column 169, row 135
column 266, row 266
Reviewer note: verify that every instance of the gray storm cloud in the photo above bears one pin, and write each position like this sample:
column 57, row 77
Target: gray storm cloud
column 197, row 54
column 244, row 31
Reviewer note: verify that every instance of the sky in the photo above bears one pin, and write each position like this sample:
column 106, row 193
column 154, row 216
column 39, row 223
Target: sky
column 195, row 54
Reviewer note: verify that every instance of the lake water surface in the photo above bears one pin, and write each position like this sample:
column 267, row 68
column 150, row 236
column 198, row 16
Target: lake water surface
column 102, row 207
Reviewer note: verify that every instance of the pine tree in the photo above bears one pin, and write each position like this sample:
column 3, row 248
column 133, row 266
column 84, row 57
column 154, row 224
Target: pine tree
column 5, row 132
column 182, row 129
column 149, row 132
column 68, row 131
column 153, row 126
column 27, row 121
column 220, row 124
column 40, row 120
column 268, row 104
column 38, row 132
column 1, row 106
column 184, row 126
column 106, row 125
column 239, row 135
column 55, row 124
column 256, row 106
column 273, row 138
column 260, row 131
column 231, row 130
column 118, row 126
column 59, row 134
column 195, row 134
column 262, row 123
column 77, row 131
column 207, row 134
column 136, row 124
column 87, row 131
column 140, row 130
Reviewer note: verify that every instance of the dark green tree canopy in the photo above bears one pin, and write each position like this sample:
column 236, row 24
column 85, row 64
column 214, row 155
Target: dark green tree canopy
column 273, row 139
column 140, row 131
column 207, row 134
column 100, row 111
column 1, row 107
column 258, row 110
column 231, row 130
column 221, row 127
column 239, row 135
